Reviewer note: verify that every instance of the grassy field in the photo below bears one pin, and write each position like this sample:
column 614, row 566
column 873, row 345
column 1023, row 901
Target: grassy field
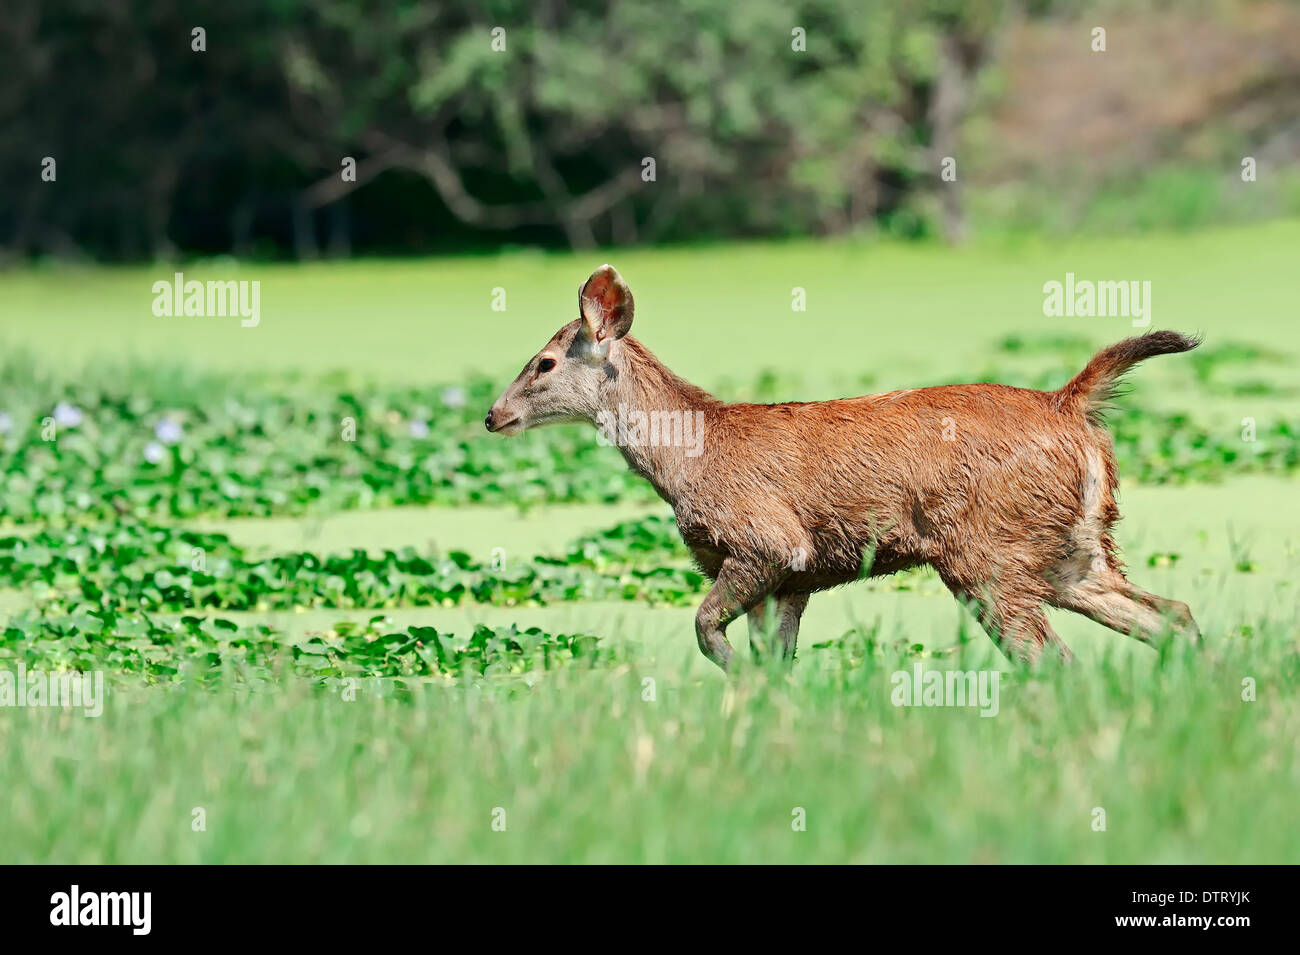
column 428, row 644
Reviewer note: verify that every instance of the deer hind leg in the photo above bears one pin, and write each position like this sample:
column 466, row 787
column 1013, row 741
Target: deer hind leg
column 1090, row 581
column 739, row 587
column 1015, row 621
column 782, row 615
column 1106, row 596
column 1175, row 612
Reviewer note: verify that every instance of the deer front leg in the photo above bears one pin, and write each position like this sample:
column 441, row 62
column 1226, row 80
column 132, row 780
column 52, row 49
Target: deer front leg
column 782, row 614
column 738, row 588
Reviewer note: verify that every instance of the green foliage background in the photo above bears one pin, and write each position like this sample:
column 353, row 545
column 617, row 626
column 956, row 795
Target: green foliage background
column 164, row 151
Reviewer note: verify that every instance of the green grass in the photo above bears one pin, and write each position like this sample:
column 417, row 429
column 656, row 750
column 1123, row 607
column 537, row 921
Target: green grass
column 588, row 770
column 420, row 628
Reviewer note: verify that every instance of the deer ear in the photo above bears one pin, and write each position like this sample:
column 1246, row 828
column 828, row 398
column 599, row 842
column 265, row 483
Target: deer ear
column 606, row 305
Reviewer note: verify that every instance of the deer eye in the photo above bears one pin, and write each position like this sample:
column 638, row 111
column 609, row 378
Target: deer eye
column 545, row 365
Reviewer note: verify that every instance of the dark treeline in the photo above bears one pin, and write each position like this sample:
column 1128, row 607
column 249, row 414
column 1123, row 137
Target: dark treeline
column 475, row 124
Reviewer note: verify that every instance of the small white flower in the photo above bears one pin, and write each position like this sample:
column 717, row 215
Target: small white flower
column 454, row 397
column 154, row 452
column 168, row 431
column 419, row 428
column 66, row 415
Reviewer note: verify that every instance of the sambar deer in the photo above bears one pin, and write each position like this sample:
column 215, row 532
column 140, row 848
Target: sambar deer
column 1007, row 492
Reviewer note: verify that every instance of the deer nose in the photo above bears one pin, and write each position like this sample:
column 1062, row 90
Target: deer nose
column 487, row 422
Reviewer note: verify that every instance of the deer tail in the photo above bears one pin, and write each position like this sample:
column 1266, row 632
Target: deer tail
column 1090, row 390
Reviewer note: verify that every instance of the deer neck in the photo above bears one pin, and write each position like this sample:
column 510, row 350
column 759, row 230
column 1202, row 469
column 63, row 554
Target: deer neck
column 657, row 420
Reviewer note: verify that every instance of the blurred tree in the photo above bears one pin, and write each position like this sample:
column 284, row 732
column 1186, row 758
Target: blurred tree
column 478, row 121
column 136, row 120
column 758, row 118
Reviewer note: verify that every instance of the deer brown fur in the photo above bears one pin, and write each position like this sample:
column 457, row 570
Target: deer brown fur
column 1007, row 492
